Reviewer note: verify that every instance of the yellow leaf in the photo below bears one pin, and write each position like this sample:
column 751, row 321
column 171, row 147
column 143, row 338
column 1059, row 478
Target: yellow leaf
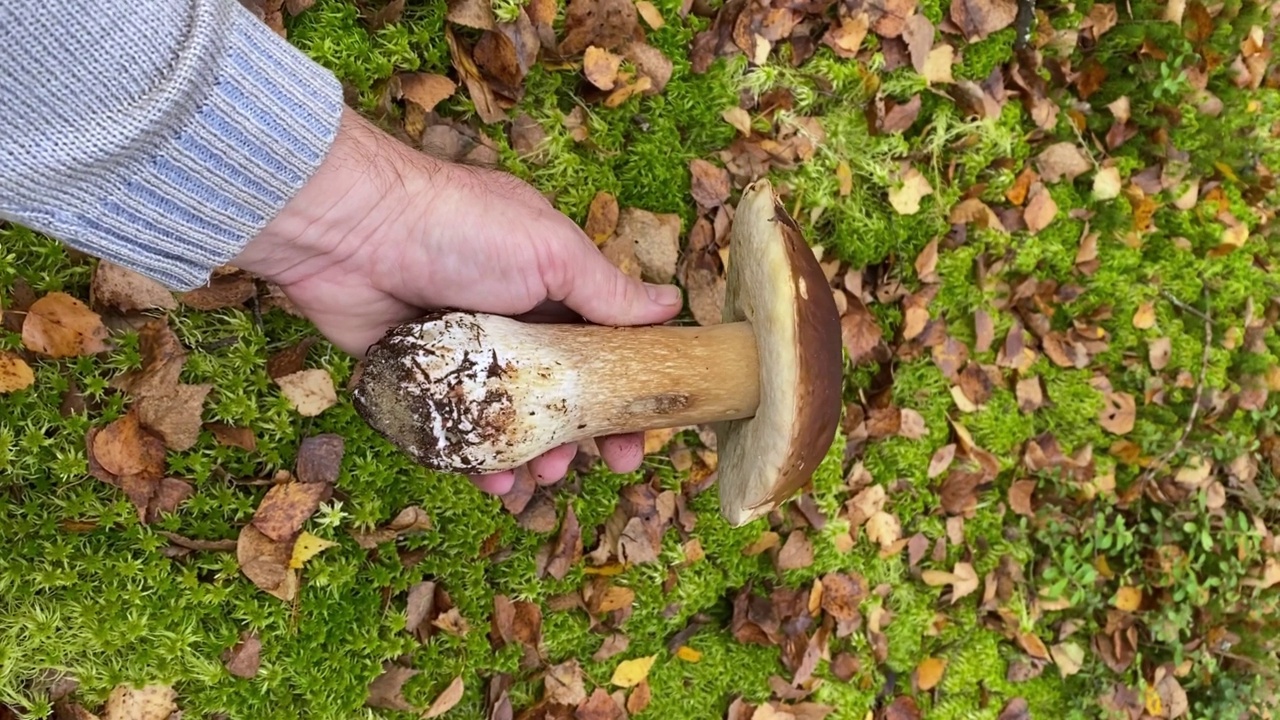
column 1128, row 598
column 306, row 547
column 929, row 672
column 630, row 672
column 1103, row 568
column 606, row 570
column 844, row 176
column 688, row 654
column 1154, row 706
column 906, row 197
column 1145, row 317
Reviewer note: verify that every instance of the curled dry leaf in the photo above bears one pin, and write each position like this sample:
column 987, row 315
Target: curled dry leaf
column 15, row 373
column 227, row 288
column 59, row 326
column 567, row 549
column 409, row 520
column 447, row 699
column 310, row 392
column 426, row 90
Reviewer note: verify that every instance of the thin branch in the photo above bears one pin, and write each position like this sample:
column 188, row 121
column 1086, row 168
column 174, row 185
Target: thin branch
column 1160, row 464
column 1185, row 307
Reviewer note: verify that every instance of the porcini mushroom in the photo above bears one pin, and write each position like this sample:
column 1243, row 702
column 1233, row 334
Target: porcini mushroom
column 476, row 393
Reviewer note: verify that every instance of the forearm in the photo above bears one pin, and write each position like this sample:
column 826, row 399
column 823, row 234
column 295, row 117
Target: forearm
column 162, row 135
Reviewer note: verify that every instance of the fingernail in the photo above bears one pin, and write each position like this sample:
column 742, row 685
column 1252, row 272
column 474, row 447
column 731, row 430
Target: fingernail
column 663, row 294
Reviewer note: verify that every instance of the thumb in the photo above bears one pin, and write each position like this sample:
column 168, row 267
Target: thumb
column 587, row 283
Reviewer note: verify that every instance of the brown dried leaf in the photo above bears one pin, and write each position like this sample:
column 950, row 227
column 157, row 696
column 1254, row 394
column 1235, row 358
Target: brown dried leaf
column 479, row 89
column 320, row 458
column 426, row 90
column 900, row 117
column 1016, row 709
column 608, row 24
column 568, row 546
column 612, row 645
column 929, row 673
column 230, row 289
column 650, row 63
column 1062, row 160
column 409, row 520
column 1159, row 351
column 447, row 699
column 979, row 18
column 118, row 287
column 601, row 67
column 1118, row 413
column 903, row 707
column 796, row 553
column 941, row 460
column 638, row 700
column 124, row 448
column 859, row 331
column 387, row 690
column 1030, row 394
column 286, row 507
column 1040, row 210
column 1020, row 493
column 15, row 373
column 905, row 196
column 656, row 240
column 58, row 326
column 710, row 184
column 563, row 683
column 918, row 32
column 243, row 658
column 266, row 563
column 602, row 217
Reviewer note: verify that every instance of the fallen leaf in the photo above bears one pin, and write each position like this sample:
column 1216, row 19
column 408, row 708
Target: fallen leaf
column 1159, row 351
column 266, row 563
column 650, row 13
column 447, row 699
column 306, row 547
column 125, row 448
column 937, row 67
column 905, row 197
column 602, row 217
column 59, row 326
column 1128, row 598
column 631, row 672
column 1015, row 709
column 768, row 539
column 320, row 458
column 651, row 64
column 291, row 359
column 739, row 118
column 612, row 645
column 710, row 184
column 600, row 705
column 118, row 287
column 1068, row 656
column 287, row 506
column 568, row 546
column 409, row 520
column 929, row 673
column 426, row 90
column 639, row 698
column 517, row 621
column 1030, row 394
column 1107, row 183
column 688, row 654
column 243, row 658
column 309, row 392
column 941, row 460
column 478, row 88
column 1144, row 318
column 859, row 332
column 796, row 553
column 387, row 690
column 903, row 707
column 884, row 529
column 918, row 33
column 1119, row 412
column 15, row 373
column 1040, row 210
column 845, row 38
column 230, row 288
column 656, row 240
column 1020, row 493
column 604, row 23
column 601, row 67
column 1062, row 160
column 477, row 14
column 979, row 18
column 563, row 683
column 912, row 425
column 150, row 702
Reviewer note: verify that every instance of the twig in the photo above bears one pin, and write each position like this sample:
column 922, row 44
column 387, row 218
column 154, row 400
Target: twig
column 1185, row 307
column 1195, row 399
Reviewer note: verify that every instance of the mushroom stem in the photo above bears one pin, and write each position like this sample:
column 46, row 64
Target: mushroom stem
column 473, row 393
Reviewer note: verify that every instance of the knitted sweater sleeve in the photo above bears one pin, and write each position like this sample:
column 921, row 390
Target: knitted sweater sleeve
column 161, row 135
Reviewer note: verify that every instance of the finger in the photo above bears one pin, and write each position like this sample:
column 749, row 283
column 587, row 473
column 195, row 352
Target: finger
column 578, row 275
column 622, row 453
column 551, row 466
column 499, row 483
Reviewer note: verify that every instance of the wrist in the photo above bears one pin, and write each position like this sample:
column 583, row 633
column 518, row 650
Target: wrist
column 364, row 177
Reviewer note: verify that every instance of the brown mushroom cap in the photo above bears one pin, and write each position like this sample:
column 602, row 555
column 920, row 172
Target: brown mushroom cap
column 775, row 283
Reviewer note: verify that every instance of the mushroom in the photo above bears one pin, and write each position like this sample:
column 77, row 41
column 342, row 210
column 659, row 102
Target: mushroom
column 477, row 393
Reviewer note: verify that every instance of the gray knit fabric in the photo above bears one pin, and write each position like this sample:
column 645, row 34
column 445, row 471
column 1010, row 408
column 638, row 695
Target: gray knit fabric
column 158, row 134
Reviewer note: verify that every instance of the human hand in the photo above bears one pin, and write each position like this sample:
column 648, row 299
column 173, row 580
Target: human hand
column 382, row 232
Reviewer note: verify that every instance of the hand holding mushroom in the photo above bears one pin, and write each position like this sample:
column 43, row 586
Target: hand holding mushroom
column 479, row 393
